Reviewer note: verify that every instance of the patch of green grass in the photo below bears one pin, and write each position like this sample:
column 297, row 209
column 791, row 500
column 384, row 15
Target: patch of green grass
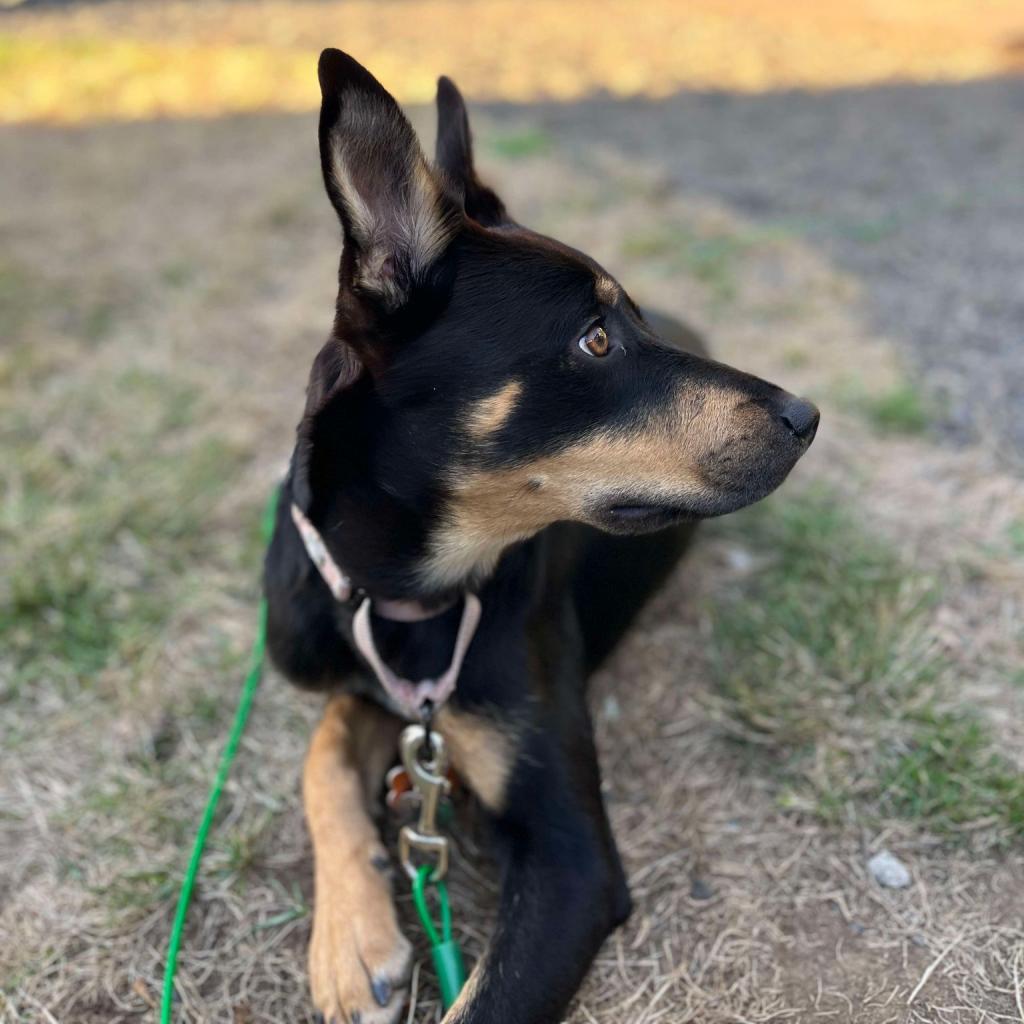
column 285, row 212
column 825, row 665
column 867, row 230
column 67, row 609
column 158, row 404
column 132, row 800
column 138, row 825
column 95, row 542
column 296, row 911
column 138, row 890
column 835, row 617
column 60, row 617
column 870, row 231
column 824, row 662
column 24, row 364
column 98, row 321
column 713, row 259
column 518, row 145
column 41, row 316
column 206, row 707
column 899, row 409
column 1015, row 535
column 902, row 410
column 17, row 292
column 951, row 776
column 650, row 245
column 239, row 850
column 796, row 357
column 178, row 273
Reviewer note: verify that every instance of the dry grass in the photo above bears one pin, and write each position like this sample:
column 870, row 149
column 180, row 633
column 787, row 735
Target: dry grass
column 131, row 61
column 160, row 327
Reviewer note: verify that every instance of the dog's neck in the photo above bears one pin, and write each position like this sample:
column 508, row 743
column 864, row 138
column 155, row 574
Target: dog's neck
column 398, row 550
column 380, row 544
column 383, row 516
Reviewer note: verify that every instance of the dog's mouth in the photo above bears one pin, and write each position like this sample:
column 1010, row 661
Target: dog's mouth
column 626, row 514
column 724, row 488
column 630, row 517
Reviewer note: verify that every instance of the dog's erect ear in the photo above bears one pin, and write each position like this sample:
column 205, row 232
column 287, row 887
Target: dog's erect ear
column 396, row 217
column 454, row 156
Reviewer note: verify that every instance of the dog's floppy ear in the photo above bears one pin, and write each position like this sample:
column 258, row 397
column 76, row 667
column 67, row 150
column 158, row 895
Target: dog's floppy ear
column 454, row 157
column 396, row 217
column 335, row 370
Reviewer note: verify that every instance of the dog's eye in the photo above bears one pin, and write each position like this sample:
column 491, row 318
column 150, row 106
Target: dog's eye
column 595, row 342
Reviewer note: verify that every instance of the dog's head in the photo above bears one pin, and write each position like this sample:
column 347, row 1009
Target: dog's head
column 513, row 382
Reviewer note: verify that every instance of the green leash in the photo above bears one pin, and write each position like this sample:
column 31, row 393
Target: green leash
column 448, row 965
column 237, row 728
column 451, row 974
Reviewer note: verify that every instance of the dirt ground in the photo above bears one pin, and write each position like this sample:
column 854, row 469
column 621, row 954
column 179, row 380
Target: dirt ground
column 164, row 285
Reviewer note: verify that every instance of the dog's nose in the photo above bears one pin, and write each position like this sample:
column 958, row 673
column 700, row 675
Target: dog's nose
column 801, row 417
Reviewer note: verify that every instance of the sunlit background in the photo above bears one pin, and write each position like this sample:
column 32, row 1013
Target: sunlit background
column 72, row 63
column 830, row 191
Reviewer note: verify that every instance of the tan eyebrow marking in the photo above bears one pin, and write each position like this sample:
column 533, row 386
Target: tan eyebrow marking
column 491, row 413
column 606, row 290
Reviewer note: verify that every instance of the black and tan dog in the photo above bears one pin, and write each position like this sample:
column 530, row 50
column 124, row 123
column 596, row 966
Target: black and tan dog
column 492, row 419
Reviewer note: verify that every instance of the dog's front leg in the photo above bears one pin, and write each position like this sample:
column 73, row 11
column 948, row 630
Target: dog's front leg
column 563, row 889
column 358, row 958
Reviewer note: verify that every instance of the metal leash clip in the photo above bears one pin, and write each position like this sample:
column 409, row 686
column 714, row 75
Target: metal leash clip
column 426, row 764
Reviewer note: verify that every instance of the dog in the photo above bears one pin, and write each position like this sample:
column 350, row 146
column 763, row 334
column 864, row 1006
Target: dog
column 500, row 458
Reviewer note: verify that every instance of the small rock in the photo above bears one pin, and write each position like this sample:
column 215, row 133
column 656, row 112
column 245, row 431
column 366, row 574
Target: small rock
column 700, row 890
column 739, row 559
column 889, row 870
column 612, row 710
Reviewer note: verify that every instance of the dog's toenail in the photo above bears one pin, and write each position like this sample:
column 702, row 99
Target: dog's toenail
column 357, row 1017
column 318, row 1018
column 382, row 991
column 380, row 861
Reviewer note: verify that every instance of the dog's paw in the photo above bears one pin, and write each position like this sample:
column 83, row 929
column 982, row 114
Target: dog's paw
column 359, row 960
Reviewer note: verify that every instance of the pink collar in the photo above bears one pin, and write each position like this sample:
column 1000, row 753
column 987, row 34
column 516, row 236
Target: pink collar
column 337, row 582
column 409, row 696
